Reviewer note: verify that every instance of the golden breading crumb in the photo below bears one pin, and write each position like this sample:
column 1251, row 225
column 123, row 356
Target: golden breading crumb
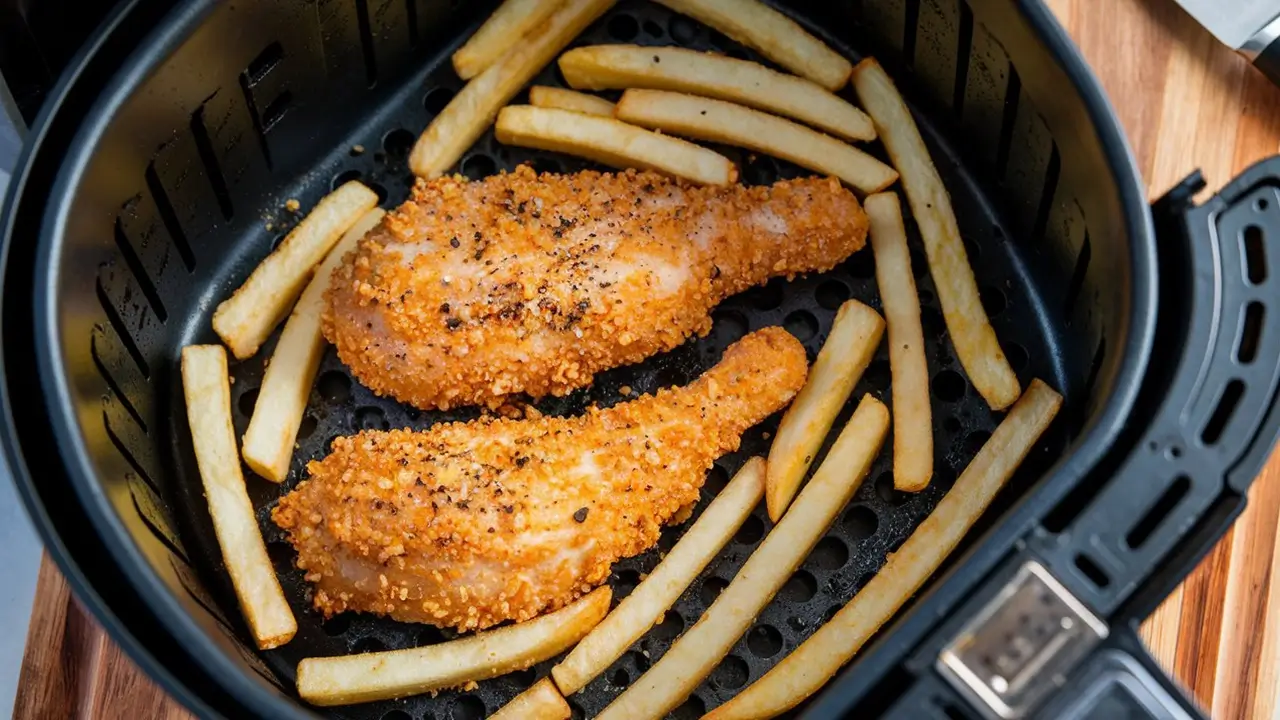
column 467, row 525
column 292, row 205
column 473, row 292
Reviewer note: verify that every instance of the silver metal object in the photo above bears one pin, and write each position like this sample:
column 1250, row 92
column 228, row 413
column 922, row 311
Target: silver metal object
column 1022, row 645
column 1254, row 46
column 1235, row 22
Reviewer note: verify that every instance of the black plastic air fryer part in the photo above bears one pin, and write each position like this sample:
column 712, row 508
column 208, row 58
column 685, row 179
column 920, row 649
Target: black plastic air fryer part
column 157, row 170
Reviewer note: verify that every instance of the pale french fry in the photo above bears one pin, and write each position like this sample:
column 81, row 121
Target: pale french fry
column 621, row 67
column 268, row 443
column 651, row 599
column 772, row 34
column 975, row 341
column 817, row 659
column 724, row 122
column 208, row 397
column 696, row 653
column 473, row 110
column 913, row 426
column 244, row 320
column 542, row 701
column 348, row 679
column 553, row 97
column 511, row 22
column 611, row 142
column 852, row 343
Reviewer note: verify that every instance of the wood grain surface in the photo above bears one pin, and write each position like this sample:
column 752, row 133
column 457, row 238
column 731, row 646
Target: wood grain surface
column 1186, row 102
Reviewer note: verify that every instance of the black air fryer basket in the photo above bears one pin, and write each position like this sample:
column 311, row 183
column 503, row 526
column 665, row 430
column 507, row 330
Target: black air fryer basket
column 155, row 179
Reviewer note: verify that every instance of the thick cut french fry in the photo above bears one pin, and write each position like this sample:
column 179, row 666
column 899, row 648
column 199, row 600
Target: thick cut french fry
column 473, row 110
column 348, row 679
column 622, row 67
column 208, row 396
column 542, row 701
column 611, row 142
column 913, row 417
column 553, row 97
column 772, row 34
column 268, row 443
column 817, row 659
column 975, row 341
column 244, row 320
column 852, row 343
column 724, row 122
column 508, row 25
column 651, row 599
column 696, row 653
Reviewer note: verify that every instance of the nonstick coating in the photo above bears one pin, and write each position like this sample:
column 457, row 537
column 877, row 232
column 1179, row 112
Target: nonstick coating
column 876, row 522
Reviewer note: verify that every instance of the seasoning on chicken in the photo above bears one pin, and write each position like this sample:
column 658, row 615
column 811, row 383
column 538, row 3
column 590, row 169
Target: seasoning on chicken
column 467, row 525
column 473, row 292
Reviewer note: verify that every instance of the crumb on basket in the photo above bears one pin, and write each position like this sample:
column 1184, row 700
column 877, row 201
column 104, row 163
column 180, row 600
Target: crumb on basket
column 357, row 149
column 292, row 205
column 624, row 390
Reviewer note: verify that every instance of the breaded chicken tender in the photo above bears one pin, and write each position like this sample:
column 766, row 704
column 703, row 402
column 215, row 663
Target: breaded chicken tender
column 520, row 284
column 467, row 525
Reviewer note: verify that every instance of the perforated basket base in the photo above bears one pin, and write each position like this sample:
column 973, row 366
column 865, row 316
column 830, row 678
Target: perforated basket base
column 876, row 522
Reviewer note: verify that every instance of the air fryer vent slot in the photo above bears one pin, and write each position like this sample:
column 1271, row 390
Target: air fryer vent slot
column 1141, row 531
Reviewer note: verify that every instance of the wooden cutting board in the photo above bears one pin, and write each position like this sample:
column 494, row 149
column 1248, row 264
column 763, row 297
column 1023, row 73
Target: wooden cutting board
column 1186, row 102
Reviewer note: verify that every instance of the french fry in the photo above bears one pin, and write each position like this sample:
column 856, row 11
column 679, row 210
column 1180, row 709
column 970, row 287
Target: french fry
column 542, row 701
column 348, row 679
column 975, row 341
column 772, row 34
column 621, row 67
column 696, row 653
column 244, row 320
column 208, row 397
column 268, row 443
column 473, row 110
column 852, row 343
column 913, row 429
column 553, row 97
column 511, row 22
column 611, row 142
column 651, row 599
column 817, row 659
column 723, row 122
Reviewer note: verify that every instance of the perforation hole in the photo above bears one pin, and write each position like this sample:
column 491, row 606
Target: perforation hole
column 397, row 715
column 932, row 323
column 430, row 635
column 1091, row 571
column 766, row 297
column 692, row 709
column 862, row 266
column 860, row 522
column 652, row 29
column 717, row 478
column 1250, row 333
column 974, row 441
column 1222, row 413
column 546, row 165
column 478, row 167
column 764, row 641
column 830, row 554
column 993, row 300
column 368, row 645
column 619, row 678
column 379, row 190
column 371, row 418
column 683, row 30
column 468, row 707
column 800, row 587
column 711, row 589
column 832, row 294
column 760, row 171
column 524, row 678
column 281, row 554
column 335, row 387
column 732, row 673
column 247, row 400
column 1169, row 499
column 398, row 143
column 623, row 27
column 1255, row 255
column 728, row 326
column 949, row 386
column 343, row 178
column 437, row 100
column 1017, row 357
column 306, row 427
column 626, row 583
column 802, row 324
column 878, row 373
column 887, row 492
column 750, row 532
column 670, row 627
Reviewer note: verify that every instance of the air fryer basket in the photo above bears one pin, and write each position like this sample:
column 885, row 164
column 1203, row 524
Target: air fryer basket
column 161, row 173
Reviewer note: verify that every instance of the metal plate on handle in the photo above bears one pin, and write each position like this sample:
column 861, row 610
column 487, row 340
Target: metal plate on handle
column 1022, row 645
